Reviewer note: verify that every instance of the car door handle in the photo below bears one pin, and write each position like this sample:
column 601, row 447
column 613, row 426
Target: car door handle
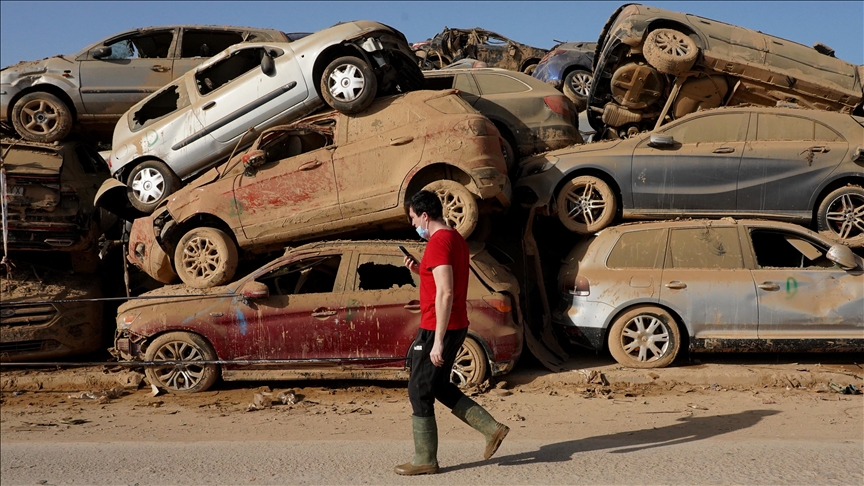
column 819, row 149
column 401, row 140
column 209, row 105
column 323, row 312
column 158, row 68
column 676, row 284
column 412, row 306
column 773, row 287
column 311, row 165
column 724, row 150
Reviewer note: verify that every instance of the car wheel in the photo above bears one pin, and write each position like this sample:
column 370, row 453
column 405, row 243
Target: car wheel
column 644, row 337
column 529, row 69
column 586, row 205
column 576, row 86
column 149, row 183
column 670, row 51
column 181, row 378
column 349, row 85
column 41, row 117
column 470, row 366
column 460, row 207
column 841, row 214
column 205, row 257
column 509, row 155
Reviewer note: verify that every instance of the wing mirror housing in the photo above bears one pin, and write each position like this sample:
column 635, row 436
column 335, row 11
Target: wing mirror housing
column 268, row 67
column 254, row 290
column 251, row 160
column 101, row 52
column 661, row 141
column 843, row 256
column 858, row 155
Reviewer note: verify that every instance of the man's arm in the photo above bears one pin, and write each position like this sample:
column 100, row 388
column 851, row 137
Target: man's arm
column 443, row 275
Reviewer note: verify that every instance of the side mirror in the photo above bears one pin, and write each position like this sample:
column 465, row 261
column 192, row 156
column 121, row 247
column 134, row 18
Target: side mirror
column 843, row 256
column 253, row 158
column 858, row 155
column 661, row 141
column 101, row 52
column 254, row 290
column 268, row 67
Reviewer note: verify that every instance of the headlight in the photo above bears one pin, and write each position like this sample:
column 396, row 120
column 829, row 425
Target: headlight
column 125, row 320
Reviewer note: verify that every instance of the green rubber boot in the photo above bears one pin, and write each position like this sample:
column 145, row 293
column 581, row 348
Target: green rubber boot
column 477, row 417
column 425, row 460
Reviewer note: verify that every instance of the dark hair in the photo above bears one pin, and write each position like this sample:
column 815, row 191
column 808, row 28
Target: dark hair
column 425, row 202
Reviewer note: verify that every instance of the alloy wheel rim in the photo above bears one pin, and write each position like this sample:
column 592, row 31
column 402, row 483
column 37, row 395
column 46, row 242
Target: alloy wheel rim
column 845, row 216
column 585, row 203
column 463, row 368
column 346, row 82
column 672, row 44
column 179, row 376
column 201, row 258
column 581, row 84
column 148, row 185
column 454, row 208
column 644, row 335
column 40, row 116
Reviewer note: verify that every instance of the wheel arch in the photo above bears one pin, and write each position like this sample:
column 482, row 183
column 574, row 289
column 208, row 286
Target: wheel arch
column 436, row 172
column 833, row 185
column 199, row 220
column 534, row 60
column 187, row 329
column 123, row 172
column 682, row 326
column 692, row 33
column 45, row 88
column 335, row 51
column 589, row 171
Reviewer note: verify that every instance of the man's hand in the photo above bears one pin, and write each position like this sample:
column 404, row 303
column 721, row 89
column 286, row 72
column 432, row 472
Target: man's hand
column 412, row 265
column 437, row 354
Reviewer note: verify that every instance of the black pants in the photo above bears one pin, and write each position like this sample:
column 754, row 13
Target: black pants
column 427, row 381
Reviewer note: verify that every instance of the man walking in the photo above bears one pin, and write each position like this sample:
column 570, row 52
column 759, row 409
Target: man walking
column 443, row 326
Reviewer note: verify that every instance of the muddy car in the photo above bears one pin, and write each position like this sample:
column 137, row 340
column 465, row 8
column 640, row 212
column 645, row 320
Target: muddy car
column 531, row 116
column 657, row 65
column 568, row 67
column 49, row 195
column 327, row 174
column 325, row 310
column 779, row 163
column 495, row 50
column 33, row 327
column 43, row 99
column 200, row 118
column 648, row 291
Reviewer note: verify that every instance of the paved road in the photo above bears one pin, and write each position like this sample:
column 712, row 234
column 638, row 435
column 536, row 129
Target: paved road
column 612, row 460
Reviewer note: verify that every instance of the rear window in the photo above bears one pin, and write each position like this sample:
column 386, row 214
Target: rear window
column 639, row 249
column 780, row 127
column 705, row 247
column 450, row 105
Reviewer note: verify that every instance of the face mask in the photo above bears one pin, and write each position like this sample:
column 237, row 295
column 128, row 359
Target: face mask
column 423, row 232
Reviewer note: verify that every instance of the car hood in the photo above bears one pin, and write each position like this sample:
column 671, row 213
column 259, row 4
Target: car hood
column 35, row 68
column 173, row 295
column 544, row 161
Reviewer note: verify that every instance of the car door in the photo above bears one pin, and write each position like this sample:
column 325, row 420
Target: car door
column 786, row 159
column 294, row 187
column 139, row 64
column 235, row 94
column 706, row 283
column 698, row 173
column 197, row 44
column 381, row 309
column 801, row 294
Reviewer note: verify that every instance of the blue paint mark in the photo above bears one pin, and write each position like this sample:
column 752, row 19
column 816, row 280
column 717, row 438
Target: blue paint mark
column 242, row 319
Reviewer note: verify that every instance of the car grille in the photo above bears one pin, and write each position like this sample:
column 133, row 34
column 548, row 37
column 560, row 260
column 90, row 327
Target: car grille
column 7, row 349
column 26, row 315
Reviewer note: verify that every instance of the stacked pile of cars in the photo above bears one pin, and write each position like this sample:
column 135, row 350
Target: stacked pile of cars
column 281, row 140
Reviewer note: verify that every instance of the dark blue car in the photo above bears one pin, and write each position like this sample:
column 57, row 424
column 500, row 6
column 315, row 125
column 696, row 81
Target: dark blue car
column 568, row 68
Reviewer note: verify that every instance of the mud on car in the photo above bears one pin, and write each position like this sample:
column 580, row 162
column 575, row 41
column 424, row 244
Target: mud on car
column 495, row 50
column 339, row 309
column 569, row 67
column 327, row 174
column 653, row 65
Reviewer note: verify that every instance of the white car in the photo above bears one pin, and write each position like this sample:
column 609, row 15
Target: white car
column 223, row 104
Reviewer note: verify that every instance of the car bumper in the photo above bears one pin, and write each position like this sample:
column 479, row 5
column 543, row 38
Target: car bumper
column 491, row 183
column 549, row 74
column 536, row 190
column 146, row 253
column 582, row 321
column 44, row 331
column 7, row 93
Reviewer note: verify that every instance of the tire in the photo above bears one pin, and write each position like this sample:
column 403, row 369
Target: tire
column 149, row 183
column 651, row 323
column 41, row 117
column 529, row 69
column 349, row 85
column 576, row 86
column 841, row 215
column 586, row 205
column 470, row 366
column 510, row 157
column 460, row 207
column 181, row 346
column 670, row 51
column 205, row 257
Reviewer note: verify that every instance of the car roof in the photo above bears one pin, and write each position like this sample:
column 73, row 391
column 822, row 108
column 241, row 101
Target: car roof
column 689, row 223
column 525, row 78
column 390, row 245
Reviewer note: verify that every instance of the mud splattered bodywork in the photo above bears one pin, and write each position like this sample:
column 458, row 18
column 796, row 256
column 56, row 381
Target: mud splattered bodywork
column 337, row 309
column 483, row 45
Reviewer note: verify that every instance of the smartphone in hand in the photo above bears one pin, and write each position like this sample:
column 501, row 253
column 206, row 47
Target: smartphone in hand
column 408, row 254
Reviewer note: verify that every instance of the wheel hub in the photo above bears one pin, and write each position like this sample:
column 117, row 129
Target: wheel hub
column 41, row 118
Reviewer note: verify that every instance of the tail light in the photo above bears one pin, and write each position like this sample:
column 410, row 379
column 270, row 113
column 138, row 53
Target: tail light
column 476, row 127
column 560, row 105
column 581, row 288
column 501, row 304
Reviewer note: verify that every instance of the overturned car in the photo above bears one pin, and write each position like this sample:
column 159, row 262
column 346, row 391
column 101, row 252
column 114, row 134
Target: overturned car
column 495, row 50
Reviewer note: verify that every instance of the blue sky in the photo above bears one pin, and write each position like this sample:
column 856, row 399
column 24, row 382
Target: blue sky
column 34, row 30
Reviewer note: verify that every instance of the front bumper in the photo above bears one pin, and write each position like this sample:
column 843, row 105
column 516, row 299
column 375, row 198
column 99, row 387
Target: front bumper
column 32, row 332
column 146, row 253
column 7, row 93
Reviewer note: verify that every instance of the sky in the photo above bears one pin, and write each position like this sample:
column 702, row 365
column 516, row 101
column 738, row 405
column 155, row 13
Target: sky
column 34, row 30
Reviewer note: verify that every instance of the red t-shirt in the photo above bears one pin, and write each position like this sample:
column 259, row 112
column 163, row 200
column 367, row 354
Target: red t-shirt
column 445, row 247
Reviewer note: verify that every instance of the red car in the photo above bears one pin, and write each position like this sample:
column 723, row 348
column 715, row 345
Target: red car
column 325, row 310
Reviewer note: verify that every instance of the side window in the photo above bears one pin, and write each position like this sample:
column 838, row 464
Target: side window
column 315, row 275
column 372, row 122
column 780, row 127
column 465, row 85
column 283, row 145
column 777, row 249
column 824, row 133
column 383, row 272
column 491, row 84
column 147, row 46
column 639, row 249
column 439, row 82
column 206, row 43
column 164, row 103
column 226, row 70
column 727, row 127
column 495, row 41
column 705, row 247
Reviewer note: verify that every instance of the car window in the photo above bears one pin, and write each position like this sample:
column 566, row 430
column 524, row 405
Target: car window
column 283, row 145
column 450, row 105
column 439, row 83
column 704, row 247
column 464, row 85
column 167, row 101
column 383, row 272
column 147, row 46
column 726, row 127
column 495, row 41
column 781, row 127
column 206, row 43
column 314, row 275
column 239, row 63
column 490, row 84
column 780, row 249
column 639, row 249
column 372, row 122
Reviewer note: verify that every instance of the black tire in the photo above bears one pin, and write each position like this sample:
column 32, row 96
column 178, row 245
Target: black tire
column 185, row 378
column 510, row 157
column 586, row 204
column 576, row 86
column 349, row 85
column 149, row 183
column 470, row 366
column 41, row 117
column 205, row 257
column 460, row 208
column 841, row 216
column 670, row 51
column 644, row 337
